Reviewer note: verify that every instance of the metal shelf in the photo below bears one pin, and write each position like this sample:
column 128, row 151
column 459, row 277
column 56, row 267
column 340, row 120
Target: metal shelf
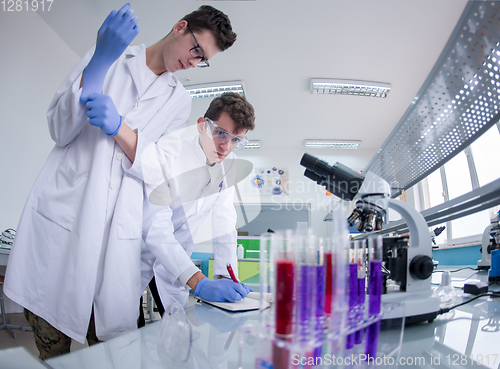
column 457, row 103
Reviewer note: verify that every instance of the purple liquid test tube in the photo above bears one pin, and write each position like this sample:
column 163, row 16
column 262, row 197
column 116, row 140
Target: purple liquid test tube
column 307, row 284
column 306, row 300
column 320, row 297
column 375, row 294
column 353, row 300
column 358, row 336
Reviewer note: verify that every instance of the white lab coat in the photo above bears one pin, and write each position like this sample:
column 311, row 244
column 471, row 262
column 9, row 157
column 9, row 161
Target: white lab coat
column 195, row 189
column 78, row 242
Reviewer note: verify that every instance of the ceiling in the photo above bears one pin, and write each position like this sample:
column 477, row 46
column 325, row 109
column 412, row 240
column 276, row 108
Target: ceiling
column 282, row 44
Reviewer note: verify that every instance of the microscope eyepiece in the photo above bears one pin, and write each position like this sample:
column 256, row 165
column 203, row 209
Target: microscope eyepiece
column 338, row 179
column 311, row 175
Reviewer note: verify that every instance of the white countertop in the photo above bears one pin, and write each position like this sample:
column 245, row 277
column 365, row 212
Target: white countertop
column 19, row 358
column 469, row 331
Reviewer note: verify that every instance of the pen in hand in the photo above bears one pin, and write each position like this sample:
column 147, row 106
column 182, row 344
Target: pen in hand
column 231, row 273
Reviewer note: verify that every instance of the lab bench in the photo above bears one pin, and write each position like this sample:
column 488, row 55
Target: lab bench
column 466, row 337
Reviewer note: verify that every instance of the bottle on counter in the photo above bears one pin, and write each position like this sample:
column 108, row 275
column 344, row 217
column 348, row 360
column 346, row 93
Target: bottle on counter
column 240, row 251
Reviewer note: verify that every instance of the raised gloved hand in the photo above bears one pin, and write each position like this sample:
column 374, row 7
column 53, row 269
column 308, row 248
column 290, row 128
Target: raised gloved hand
column 102, row 113
column 221, row 290
column 115, row 34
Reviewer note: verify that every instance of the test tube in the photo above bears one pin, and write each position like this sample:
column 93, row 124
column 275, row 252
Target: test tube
column 283, row 264
column 358, row 336
column 339, row 246
column 353, row 291
column 306, row 286
column 266, row 280
column 320, row 295
column 284, row 278
column 329, row 278
column 375, row 247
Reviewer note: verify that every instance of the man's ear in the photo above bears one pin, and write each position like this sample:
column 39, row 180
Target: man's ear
column 201, row 125
column 180, row 27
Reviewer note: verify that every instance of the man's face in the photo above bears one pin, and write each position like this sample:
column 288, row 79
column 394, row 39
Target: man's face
column 215, row 146
column 176, row 53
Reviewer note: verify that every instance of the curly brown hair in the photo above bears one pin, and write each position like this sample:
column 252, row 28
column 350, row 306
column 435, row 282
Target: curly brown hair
column 238, row 108
column 207, row 18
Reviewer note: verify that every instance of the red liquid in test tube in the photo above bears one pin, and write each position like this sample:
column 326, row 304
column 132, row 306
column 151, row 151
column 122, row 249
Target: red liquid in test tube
column 284, row 296
column 328, row 283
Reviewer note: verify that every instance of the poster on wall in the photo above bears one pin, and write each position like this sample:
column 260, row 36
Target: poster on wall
column 270, row 181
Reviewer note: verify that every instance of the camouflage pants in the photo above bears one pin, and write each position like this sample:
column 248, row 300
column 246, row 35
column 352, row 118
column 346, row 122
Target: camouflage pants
column 51, row 342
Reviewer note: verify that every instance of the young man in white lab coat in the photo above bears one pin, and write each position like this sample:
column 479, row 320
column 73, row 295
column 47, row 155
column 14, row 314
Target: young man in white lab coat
column 201, row 179
column 76, row 254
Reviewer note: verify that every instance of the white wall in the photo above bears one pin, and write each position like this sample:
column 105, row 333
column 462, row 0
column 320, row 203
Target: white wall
column 34, row 61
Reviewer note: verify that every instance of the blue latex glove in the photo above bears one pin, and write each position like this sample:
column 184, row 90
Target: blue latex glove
column 115, row 34
column 102, row 113
column 246, row 287
column 221, row 290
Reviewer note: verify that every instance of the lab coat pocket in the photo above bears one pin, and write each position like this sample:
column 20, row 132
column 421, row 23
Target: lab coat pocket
column 61, row 196
column 129, row 209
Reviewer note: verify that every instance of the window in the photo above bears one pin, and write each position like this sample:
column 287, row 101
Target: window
column 454, row 179
column 485, row 157
column 458, row 176
column 433, row 190
column 470, row 225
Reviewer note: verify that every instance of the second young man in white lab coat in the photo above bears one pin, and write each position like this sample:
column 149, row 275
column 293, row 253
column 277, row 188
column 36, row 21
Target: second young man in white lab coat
column 199, row 180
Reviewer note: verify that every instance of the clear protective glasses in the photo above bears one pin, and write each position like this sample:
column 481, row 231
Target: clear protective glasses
column 198, row 53
column 219, row 134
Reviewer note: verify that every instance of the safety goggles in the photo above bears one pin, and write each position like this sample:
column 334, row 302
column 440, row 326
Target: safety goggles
column 219, row 134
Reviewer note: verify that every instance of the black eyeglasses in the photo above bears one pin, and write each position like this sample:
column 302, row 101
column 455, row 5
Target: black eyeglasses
column 197, row 52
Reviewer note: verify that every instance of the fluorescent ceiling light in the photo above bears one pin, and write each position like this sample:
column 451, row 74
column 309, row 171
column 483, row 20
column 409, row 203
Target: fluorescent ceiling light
column 252, row 144
column 348, row 87
column 215, row 89
column 332, row 144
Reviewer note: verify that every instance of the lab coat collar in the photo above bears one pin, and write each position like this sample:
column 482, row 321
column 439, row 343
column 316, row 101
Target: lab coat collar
column 136, row 62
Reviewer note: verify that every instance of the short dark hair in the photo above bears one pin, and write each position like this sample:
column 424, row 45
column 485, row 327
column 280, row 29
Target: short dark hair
column 207, row 18
column 238, row 108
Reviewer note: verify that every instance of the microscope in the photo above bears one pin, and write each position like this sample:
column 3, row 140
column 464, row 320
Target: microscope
column 408, row 261
column 490, row 241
